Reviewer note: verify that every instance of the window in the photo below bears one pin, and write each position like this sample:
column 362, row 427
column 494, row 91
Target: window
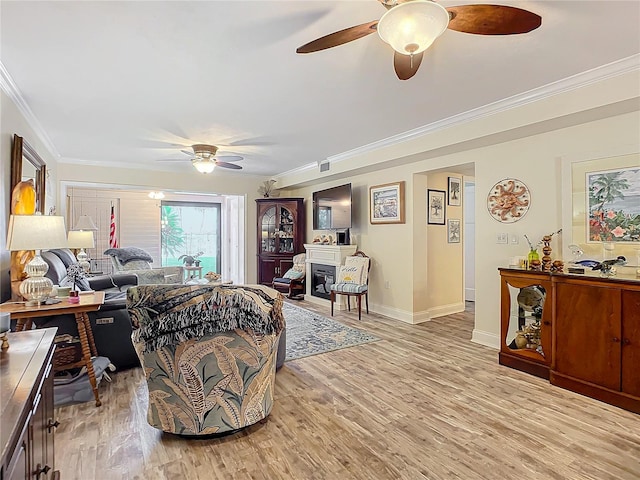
column 191, row 228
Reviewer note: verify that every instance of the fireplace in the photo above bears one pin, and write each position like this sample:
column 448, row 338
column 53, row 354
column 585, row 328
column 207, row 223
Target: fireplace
column 322, row 277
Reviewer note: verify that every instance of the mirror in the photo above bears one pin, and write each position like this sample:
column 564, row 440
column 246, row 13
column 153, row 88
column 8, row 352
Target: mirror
column 525, row 325
column 27, row 164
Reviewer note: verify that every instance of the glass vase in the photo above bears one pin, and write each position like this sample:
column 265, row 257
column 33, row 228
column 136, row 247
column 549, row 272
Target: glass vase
column 533, row 255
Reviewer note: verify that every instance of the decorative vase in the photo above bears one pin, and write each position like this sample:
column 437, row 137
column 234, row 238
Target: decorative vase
column 520, row 340
column 533, row 255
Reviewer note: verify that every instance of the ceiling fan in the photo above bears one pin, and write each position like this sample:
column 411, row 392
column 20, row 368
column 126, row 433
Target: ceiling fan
column 205, row 159
column 411, row 26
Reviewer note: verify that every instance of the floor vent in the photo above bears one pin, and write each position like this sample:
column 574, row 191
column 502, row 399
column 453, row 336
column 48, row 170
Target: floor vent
column 324, row 167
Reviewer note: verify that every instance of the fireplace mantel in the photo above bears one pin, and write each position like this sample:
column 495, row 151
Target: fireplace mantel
column 332, row 255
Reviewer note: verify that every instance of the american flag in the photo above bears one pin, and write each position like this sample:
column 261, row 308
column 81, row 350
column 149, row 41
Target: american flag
column 113, row 241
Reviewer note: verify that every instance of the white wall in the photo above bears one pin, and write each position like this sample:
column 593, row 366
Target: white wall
column 13, row 122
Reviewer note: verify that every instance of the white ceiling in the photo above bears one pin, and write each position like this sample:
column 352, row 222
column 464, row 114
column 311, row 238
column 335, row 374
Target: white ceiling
column 134, row 82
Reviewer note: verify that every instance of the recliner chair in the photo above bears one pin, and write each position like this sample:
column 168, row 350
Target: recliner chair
column 137, row 261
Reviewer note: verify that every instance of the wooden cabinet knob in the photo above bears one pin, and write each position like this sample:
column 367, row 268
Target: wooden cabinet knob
column 626, row 341
column 616, row 340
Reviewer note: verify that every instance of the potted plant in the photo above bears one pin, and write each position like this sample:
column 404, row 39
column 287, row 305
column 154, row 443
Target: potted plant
column 189, row 260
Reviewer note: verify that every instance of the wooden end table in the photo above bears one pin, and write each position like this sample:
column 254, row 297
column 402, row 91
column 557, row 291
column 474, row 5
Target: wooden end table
column 190, row 272
column 89, row 302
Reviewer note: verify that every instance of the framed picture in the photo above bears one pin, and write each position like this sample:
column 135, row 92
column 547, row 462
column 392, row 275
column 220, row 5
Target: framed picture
column 454, row 196
column 386, row 203
column 453, row 230
column 435, row 206
column 613, row 205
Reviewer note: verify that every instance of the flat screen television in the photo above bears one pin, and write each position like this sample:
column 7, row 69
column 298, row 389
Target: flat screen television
column 332, row 208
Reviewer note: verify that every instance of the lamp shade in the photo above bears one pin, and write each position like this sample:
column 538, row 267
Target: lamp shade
column 81, row 239
column 36, row 232
column 204, row 165
column 85, row 222
column 410, row 28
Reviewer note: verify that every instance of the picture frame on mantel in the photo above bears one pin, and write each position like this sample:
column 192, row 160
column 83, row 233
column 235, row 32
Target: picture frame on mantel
column 386, row 203
column 454, row 195
column 436, row 200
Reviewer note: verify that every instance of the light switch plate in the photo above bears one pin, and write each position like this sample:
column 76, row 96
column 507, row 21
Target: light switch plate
column 502, row 238
column 515, row 239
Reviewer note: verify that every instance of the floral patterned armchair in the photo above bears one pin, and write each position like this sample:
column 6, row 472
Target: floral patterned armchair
column 209, row 354
column 137, row 261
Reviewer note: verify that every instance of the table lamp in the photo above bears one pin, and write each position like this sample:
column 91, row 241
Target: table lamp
column 82, row 239
column 36, row 232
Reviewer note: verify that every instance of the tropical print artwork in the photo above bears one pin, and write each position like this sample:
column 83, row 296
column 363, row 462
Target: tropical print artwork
column 613, row 198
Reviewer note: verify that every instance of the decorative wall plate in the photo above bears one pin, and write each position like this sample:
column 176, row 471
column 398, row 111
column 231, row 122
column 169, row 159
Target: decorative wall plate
column 509, row 200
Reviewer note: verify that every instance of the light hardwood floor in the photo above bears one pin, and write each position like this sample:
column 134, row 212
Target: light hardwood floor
column 422, row 403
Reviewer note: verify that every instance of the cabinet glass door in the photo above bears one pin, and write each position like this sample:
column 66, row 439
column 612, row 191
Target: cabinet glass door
column 268, row 231
column 285, row 231
column 525, row 317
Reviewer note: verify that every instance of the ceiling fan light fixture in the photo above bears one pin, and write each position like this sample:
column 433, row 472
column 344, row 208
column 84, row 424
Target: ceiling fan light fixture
column 410, row 28
column 203, row 165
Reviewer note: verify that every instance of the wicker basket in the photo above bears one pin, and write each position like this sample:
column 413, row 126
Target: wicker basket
column 66, row 353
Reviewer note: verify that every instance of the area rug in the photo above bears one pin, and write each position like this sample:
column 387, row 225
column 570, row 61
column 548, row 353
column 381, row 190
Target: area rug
column 310, row 334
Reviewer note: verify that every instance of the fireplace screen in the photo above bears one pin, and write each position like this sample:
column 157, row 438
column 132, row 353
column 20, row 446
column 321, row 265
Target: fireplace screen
column 322, row 277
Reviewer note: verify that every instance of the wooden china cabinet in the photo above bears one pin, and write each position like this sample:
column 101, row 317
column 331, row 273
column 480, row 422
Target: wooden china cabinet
column 281, row 229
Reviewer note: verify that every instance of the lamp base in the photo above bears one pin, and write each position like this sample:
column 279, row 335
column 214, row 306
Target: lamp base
column 36, row 288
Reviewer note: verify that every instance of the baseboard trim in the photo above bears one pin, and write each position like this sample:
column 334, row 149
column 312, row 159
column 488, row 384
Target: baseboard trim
column 470, row 294
column 485, row 338
column 394, row 313
column 444, row 310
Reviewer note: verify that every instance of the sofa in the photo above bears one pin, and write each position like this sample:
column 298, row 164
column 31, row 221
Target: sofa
column 137, row 261
column 209, row 354
column 111, row 325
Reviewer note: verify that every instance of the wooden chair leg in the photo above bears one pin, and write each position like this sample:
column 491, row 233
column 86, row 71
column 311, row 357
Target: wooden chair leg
column 359, row 307
column 333, row 298
column 349, row 302
column 366, row 299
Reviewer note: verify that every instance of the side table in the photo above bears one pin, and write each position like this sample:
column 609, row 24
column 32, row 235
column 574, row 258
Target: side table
column 89, row 302
column 190, row 272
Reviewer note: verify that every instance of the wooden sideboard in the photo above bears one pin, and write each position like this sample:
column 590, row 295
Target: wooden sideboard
column 27, row 424
column 591, row 327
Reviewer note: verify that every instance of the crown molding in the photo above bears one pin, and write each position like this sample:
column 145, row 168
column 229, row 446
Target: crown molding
column 298, row 170
column 614, row 69
column 10, row 88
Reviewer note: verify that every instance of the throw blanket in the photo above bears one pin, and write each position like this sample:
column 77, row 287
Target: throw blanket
column 164, row 315
column 126, row 254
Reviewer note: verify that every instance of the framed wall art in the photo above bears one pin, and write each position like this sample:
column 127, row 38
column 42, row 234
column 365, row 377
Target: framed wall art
column 453, row 230
column 436, row 200
column 509, row 200
column 613, row 205
column 386, row 203
column 454, row 195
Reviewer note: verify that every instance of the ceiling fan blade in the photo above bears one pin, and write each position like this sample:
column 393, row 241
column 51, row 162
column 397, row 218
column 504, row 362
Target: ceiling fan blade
column 492, row 19
column 338, row 38
column 228, row 158
column 173, row 160
column 405, row 66
column 228, row 165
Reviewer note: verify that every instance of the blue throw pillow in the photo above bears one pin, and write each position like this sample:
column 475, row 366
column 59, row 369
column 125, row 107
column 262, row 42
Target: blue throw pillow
column 293, row 274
